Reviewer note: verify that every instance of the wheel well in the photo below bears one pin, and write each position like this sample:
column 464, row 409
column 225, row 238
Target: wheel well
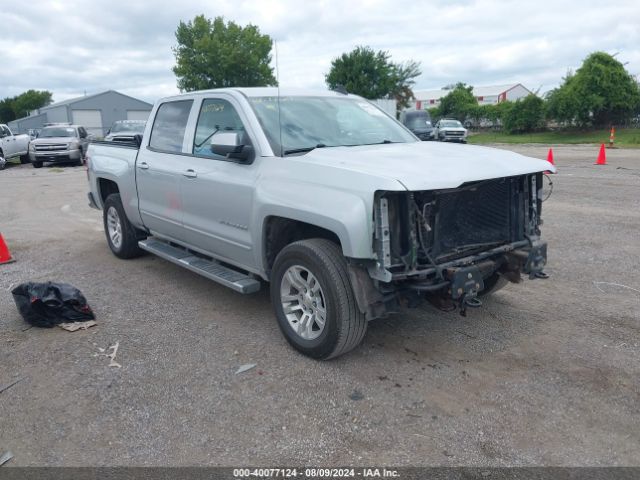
column 107, row 187
column 280, row 232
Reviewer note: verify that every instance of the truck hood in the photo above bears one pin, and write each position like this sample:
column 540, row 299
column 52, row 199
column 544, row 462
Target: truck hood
column 427, row 165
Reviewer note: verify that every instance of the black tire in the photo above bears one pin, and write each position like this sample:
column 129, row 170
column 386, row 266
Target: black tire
column 128, row 247
column 37, row 164
column 24, row 159
column 492, row 284
column 80, row 161
column 345, row 325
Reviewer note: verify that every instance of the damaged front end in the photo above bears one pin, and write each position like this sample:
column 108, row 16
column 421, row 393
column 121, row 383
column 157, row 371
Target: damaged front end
column 451, row 246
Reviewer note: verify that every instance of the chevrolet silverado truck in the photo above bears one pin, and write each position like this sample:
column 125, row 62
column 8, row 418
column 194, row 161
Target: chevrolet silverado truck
column 60, row 143
column 13, row 146
column 337, row 206
column 450, row 130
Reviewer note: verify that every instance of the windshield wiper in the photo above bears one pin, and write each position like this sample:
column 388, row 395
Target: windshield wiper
column 304, row 150
column 385, row 141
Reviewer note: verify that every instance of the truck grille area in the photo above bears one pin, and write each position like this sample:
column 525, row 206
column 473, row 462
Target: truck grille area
column 476, row 217
column 50, row 147
column 423, row 229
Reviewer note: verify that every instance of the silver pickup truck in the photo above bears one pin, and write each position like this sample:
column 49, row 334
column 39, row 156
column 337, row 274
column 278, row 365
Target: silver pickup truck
column 341, row 209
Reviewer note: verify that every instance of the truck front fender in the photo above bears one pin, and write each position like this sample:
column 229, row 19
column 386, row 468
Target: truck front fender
column 345, row 214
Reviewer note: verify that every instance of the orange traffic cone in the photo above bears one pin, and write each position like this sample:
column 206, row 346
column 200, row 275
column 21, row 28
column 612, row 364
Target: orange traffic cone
column 5, row 255
column 602, row 156
column 612, row 136
column 550, row 160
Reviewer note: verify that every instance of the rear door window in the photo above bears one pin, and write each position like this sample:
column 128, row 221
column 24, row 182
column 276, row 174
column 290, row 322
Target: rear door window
column 169, row 126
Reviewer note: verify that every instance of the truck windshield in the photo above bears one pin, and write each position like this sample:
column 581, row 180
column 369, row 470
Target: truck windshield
column 418, row 121
column 305, row 123
column 451, row 123
column 57, row 132
column 137, row 127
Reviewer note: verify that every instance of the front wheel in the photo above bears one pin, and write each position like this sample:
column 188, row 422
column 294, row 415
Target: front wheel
column 313, row 299
column 24, row 159
column 37, row 164
column 122, row 237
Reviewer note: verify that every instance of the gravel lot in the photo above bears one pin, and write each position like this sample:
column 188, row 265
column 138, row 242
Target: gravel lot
column 546, row 373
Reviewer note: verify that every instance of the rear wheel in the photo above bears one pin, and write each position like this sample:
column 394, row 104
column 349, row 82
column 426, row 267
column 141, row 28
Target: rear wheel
column 313, row 299
column 122, row 237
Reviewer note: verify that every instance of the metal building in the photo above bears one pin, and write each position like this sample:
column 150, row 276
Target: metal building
column 489, row 95
column 94, row 112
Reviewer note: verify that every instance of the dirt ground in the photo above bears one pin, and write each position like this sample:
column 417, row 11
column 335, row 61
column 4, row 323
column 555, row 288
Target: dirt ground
column 546, row 373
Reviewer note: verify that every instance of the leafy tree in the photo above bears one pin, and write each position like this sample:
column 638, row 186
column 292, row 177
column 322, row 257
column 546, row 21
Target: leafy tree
column 20, row 105
column 405, row 76
column 601, row 92
column 6, row 110
column 212, row 54
column 459, row 103
column 523, row 116
column 31, row 100
column 561, row 103
column 373, row 75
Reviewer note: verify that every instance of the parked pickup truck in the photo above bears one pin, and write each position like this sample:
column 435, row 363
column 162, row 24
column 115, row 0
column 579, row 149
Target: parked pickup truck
column 59, row 143
column 340, row 208
column 13, row 146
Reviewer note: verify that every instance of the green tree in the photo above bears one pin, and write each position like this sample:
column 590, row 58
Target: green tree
column 525, row 115
column 6, row 110
column 405, row 75
column 459, row 103
column 212, row 54
column 31, row 100
column 20, row 105
column 601, row 92
column 373, row 75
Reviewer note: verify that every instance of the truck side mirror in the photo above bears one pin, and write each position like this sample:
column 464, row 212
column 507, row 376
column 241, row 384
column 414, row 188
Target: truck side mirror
column 228, row 144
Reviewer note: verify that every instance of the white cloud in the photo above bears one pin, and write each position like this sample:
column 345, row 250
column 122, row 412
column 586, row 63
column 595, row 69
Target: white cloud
column 72, row 46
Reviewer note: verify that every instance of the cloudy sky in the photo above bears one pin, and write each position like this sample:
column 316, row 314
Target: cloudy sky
column 71, row 47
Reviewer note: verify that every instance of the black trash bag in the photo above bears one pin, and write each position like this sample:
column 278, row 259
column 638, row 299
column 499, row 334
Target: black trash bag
column 50, row 303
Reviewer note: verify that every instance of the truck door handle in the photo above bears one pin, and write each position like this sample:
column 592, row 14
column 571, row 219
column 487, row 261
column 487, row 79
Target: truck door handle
column 143, row 166
column 190, row 173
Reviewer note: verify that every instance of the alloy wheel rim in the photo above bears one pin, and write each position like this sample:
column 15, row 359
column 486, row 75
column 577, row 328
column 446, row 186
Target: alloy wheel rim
column 303, row 302
column 114, row 227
